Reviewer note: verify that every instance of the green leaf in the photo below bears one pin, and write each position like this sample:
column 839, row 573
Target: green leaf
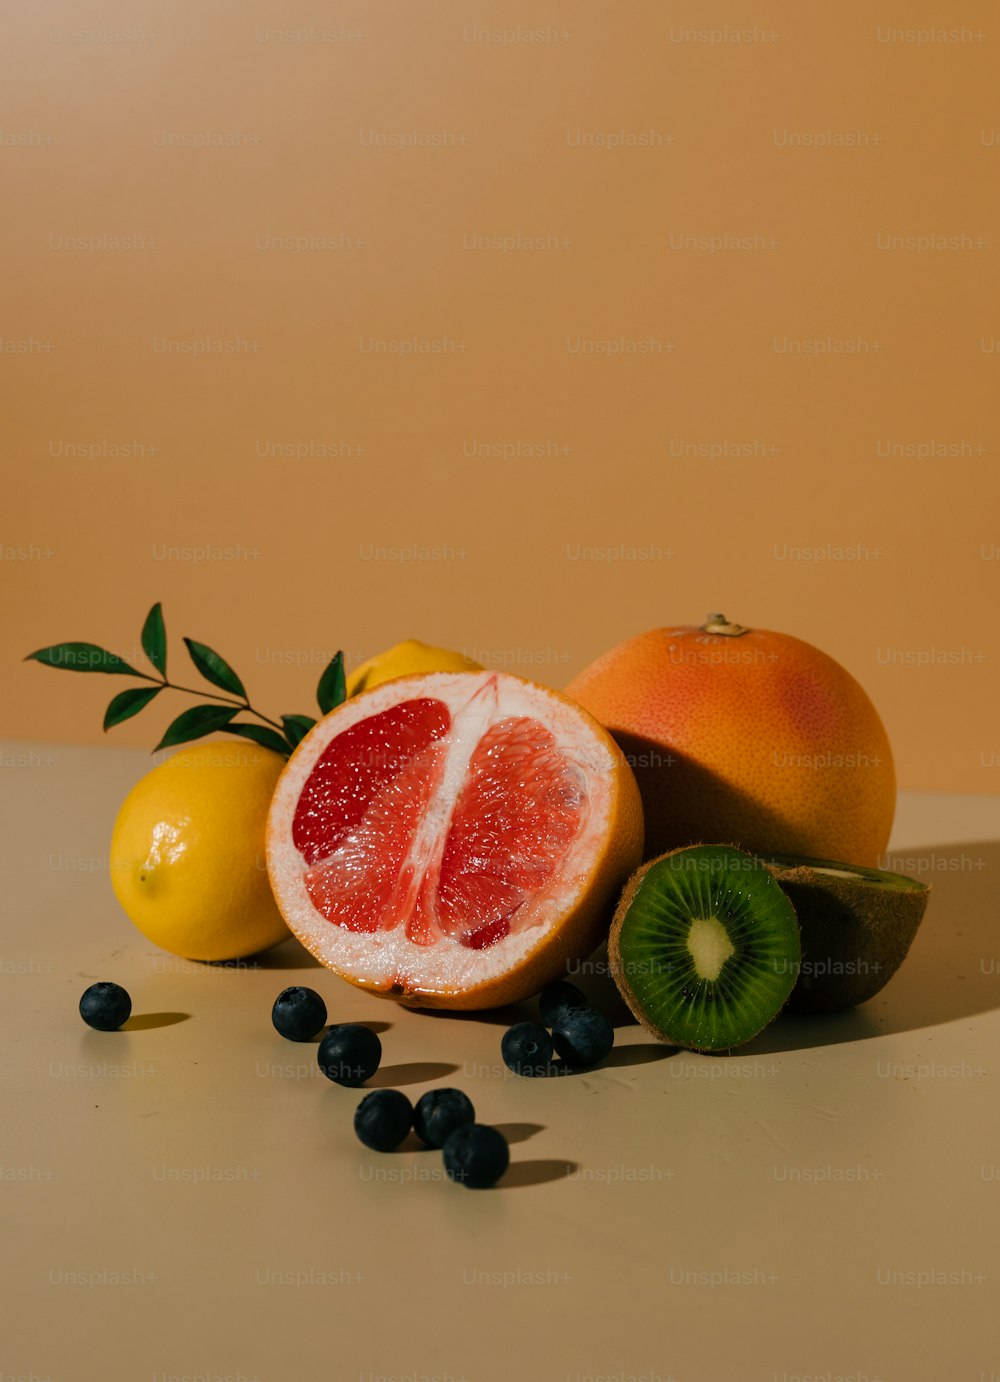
column 82, row 657
column 154, row 639
column 297, row 727
column 332, row 689
column 129, row 703
column 214, row 668
column 197, row 722
column 260, row 734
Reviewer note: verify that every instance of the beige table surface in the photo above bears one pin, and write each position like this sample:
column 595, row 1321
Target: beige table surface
column 186, row 1198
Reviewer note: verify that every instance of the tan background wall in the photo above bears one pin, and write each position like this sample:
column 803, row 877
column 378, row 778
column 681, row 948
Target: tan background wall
column 100, row 140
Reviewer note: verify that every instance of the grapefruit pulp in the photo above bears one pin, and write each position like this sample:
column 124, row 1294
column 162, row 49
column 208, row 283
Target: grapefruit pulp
column 453, row 839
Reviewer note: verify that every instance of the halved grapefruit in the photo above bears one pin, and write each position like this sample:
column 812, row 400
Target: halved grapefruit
column 453, row 839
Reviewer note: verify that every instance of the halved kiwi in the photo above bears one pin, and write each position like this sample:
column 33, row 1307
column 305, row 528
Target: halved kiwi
column 857, row 925
column 704, row 947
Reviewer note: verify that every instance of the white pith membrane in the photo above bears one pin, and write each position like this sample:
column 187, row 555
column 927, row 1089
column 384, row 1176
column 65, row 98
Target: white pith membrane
column 476, row 701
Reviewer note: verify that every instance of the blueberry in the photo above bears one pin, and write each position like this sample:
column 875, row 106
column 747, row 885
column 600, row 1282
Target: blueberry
column 526, row 1048
column 558, row 998
column 298, row 1013
column 383, row 1118
column 583, row 1037
column 439, row 1112
column 476, row 1155
column 105, row 1007
column 350, row 1054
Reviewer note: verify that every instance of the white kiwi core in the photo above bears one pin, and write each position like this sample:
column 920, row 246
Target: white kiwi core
column 709, row 946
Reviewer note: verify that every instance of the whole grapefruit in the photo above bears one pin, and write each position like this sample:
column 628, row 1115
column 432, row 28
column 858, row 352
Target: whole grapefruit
column 746, row 736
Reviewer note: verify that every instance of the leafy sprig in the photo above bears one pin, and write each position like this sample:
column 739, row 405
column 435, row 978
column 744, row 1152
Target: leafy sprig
column 197, row 720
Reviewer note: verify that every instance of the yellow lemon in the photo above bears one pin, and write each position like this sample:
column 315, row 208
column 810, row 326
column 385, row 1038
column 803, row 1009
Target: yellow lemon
column 404, row 658
column 187, row 852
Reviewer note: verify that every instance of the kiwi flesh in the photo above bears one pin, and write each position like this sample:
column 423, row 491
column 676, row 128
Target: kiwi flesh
column 857, row 925
column 704, row 947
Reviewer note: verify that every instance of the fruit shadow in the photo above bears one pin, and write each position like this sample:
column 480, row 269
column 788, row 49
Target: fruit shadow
column 669, row 781
column 287, row 954
column 518, row 1132
column 144, row 1022
column 409, row 1072
column 637, row 1053
column 537, row 1172
column 952, row 970
column 495, row 1017
column 592, row 977
column 513, row 1132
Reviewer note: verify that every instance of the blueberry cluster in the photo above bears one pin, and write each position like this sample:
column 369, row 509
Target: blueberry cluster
column 350, row 1053
column 581, row 1035
column 475, row 1155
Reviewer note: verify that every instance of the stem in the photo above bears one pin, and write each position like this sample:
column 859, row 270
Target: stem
column 719, row 624
column 214, row 696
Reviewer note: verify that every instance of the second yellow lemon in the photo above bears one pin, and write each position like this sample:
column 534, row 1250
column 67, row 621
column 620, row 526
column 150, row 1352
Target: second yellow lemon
column 405, row 659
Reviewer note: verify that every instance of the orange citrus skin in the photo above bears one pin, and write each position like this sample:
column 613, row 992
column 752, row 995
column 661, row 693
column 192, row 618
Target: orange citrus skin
column 759, row 738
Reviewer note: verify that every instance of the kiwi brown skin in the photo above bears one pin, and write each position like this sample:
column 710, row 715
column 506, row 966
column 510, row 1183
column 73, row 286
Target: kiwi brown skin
column 614, row 954
column 617, row 969
column 855, row 934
